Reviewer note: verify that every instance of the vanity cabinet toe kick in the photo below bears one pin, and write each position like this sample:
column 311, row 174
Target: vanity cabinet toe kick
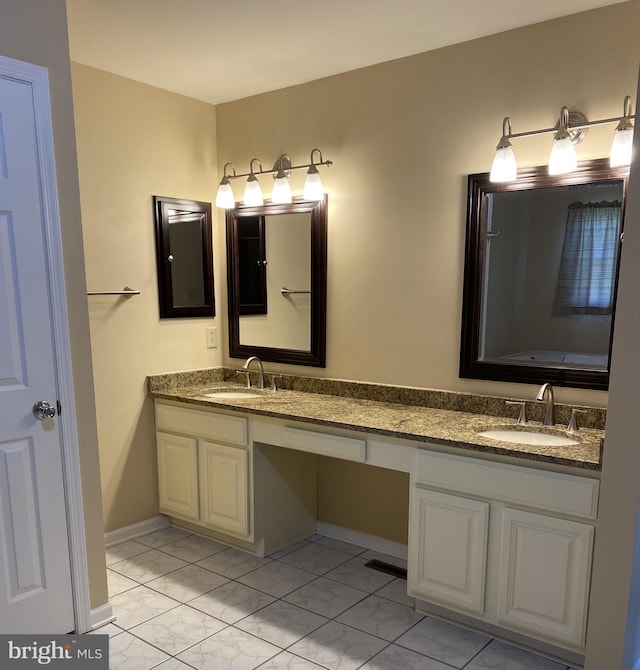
column 500, row 547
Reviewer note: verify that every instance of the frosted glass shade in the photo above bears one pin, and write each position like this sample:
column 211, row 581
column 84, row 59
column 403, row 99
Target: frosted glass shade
column 253, row 193
column 621, row 148
column 281, row 191
column 224, row 197
column 504, row 166
column 563, row 157
column 313, row 189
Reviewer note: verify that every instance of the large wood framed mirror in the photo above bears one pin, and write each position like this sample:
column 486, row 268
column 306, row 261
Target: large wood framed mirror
column 541, row 269
column 277, row 281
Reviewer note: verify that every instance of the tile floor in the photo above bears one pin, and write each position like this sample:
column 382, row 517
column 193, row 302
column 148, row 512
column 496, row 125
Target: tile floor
column 184, row 602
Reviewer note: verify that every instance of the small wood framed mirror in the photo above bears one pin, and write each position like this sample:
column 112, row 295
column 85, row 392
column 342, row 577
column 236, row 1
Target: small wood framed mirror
column 184, row 254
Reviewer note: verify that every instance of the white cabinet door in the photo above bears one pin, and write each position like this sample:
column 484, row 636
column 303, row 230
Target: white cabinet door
column 224, row 488
column 178, row 475
column 545, row 565
column 448, row 549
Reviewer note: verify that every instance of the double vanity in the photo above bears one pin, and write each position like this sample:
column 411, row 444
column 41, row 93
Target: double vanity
column 501, row 514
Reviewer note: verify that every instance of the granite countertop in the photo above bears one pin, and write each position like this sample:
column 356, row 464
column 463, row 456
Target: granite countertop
column 420, row 424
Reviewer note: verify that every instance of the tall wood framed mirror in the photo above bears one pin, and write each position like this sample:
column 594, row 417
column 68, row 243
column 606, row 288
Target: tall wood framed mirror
column 277, row 281
column 541, row 269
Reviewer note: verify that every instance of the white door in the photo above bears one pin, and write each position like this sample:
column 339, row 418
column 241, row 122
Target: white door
column 35, row 577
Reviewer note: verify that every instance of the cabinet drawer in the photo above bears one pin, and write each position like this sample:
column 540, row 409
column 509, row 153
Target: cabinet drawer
column 347, row 448
column 231, row 429
column 551, row 491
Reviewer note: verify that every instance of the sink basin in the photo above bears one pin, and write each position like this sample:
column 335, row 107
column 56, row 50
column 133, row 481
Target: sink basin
column 528, row 437
column 233, row 395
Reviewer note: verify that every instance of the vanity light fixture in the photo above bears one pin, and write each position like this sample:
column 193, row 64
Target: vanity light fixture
column 622, row 138
column 224, row 196
column 281, row 193
column 252, row 190
column 313, row 189
column 504, row 167
column 281, row 171
column 563, row 157
column 570, row 130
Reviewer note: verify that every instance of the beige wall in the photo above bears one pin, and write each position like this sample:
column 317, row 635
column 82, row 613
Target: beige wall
column 36, row 32
column 403, row 136
column 136, row 141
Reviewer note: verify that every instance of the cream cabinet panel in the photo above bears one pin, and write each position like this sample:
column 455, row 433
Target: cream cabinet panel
column 224, row 489
column 448, row 549
column 178, row 475
column 545, row 565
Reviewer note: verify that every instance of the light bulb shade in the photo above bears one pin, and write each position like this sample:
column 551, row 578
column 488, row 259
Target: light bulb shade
column 313, row 189
column 281, row 190
column 504, row 167
column 224, row 197
column 563, row 157
column 253, row 193
column 621, row 147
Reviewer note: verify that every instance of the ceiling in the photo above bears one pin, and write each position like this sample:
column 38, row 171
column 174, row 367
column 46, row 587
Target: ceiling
column 222, row 50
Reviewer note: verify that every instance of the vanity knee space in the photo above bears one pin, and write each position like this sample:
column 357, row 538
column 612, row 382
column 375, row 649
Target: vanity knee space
column 504, row 545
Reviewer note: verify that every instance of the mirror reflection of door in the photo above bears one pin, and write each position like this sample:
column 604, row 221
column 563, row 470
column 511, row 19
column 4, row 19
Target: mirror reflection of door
column 252, row 265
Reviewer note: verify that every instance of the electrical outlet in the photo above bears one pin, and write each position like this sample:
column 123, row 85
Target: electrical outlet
column 212, row 338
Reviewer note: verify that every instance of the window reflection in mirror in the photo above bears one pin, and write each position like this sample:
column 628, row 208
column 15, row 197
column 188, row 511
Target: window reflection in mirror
column 540, row 276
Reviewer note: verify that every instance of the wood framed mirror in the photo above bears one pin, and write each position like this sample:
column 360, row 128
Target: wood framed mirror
column 277, row 281
column 184, row 256
column 541, row 269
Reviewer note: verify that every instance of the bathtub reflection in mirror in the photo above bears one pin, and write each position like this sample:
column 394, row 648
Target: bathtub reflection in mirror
column 540, row 276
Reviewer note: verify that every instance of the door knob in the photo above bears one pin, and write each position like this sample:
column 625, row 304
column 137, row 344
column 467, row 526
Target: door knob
column 43, row 410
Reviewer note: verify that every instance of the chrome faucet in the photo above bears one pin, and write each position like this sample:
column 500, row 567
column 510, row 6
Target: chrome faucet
column 260, row 371
column 546, row 392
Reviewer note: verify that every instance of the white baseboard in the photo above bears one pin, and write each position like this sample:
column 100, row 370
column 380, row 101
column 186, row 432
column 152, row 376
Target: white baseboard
column 101, row 616
column 135, row 530
column 372, row 542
